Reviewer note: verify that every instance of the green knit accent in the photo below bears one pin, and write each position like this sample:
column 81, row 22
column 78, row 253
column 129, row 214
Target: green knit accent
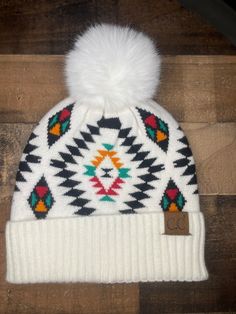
column 48, row 200
column 108, row 146
column 34, row 199
column 107, row 198
column 165, row 202
column 65, row 125
column 151, row 132
column 91, row 171
column 180, row 201
column 123, row 173
column 163, row 126
column 54, row 120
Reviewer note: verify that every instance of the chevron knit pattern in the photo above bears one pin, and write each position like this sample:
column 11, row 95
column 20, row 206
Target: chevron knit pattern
column 97, row 188
column 107, row 161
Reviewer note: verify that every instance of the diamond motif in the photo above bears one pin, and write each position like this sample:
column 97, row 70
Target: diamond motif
column 157, row 130
column 106, row 177
column 172, row 200
column 59, row 124
column 41, row 199
column 107, row 173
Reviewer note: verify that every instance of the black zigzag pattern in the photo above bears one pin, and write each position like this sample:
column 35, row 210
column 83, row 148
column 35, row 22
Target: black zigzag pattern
column 79, row 144
column 82, row 143
column 29, row 158
column 67, row 158
column 70, row 183
column 185, row 160
column 145, row 162
column 85, row 138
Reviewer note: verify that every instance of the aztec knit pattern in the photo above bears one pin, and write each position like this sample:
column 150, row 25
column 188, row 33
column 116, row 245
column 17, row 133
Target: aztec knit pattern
column 106, row 189
column 107, row 163
column 114, row 193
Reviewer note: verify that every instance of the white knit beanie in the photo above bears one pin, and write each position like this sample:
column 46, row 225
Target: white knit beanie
column 106, row 189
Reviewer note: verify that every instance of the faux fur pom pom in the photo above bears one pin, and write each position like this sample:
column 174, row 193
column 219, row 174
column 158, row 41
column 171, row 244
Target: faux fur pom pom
column 112, row 66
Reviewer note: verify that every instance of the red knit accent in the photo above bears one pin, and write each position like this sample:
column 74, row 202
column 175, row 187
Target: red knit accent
column 64, row 114
column 172, row 193
column 41, row 190
column 151, row 120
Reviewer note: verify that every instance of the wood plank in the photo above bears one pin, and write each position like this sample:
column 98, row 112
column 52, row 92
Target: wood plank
column 30, row 85
column 213, row 148
column 217, row 294
column 162, row 20
column 214, row 151
column 193, row 88
column 69, row 298
column 49, row 27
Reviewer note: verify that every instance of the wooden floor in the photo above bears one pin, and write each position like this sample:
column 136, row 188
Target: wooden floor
column 198, row 82
column 49, row 27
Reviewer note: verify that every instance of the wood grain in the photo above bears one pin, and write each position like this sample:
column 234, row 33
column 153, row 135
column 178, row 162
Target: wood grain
column 70, row 298
column 49, row 27
column 199, row 90
column 218, row 292
column 214, row 151
column 193, row 88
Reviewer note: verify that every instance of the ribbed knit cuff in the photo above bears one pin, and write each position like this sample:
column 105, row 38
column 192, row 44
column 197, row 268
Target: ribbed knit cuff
column 115, row 248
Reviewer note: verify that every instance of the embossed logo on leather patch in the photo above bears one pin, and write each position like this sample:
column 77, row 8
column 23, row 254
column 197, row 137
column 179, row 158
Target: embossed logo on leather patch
column 176, row 223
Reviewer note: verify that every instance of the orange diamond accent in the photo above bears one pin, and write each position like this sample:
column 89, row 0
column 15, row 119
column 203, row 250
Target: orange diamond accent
column 56, row 130
column 173, row 208
column 160, row 136
column 41, row 207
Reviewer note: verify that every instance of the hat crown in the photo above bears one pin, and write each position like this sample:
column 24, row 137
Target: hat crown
column 85, row 161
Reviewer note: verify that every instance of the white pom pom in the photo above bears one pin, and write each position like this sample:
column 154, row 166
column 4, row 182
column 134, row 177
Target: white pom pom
column 113, row 66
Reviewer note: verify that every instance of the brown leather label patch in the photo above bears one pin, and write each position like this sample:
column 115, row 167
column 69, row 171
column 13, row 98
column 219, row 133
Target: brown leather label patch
column 176, row 223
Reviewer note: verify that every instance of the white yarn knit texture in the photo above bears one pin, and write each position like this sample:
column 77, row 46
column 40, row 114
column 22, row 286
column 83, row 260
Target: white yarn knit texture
column 94, row 183
column 93, row 234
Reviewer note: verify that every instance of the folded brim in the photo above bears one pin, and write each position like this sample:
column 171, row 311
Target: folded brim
column 106, row 249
